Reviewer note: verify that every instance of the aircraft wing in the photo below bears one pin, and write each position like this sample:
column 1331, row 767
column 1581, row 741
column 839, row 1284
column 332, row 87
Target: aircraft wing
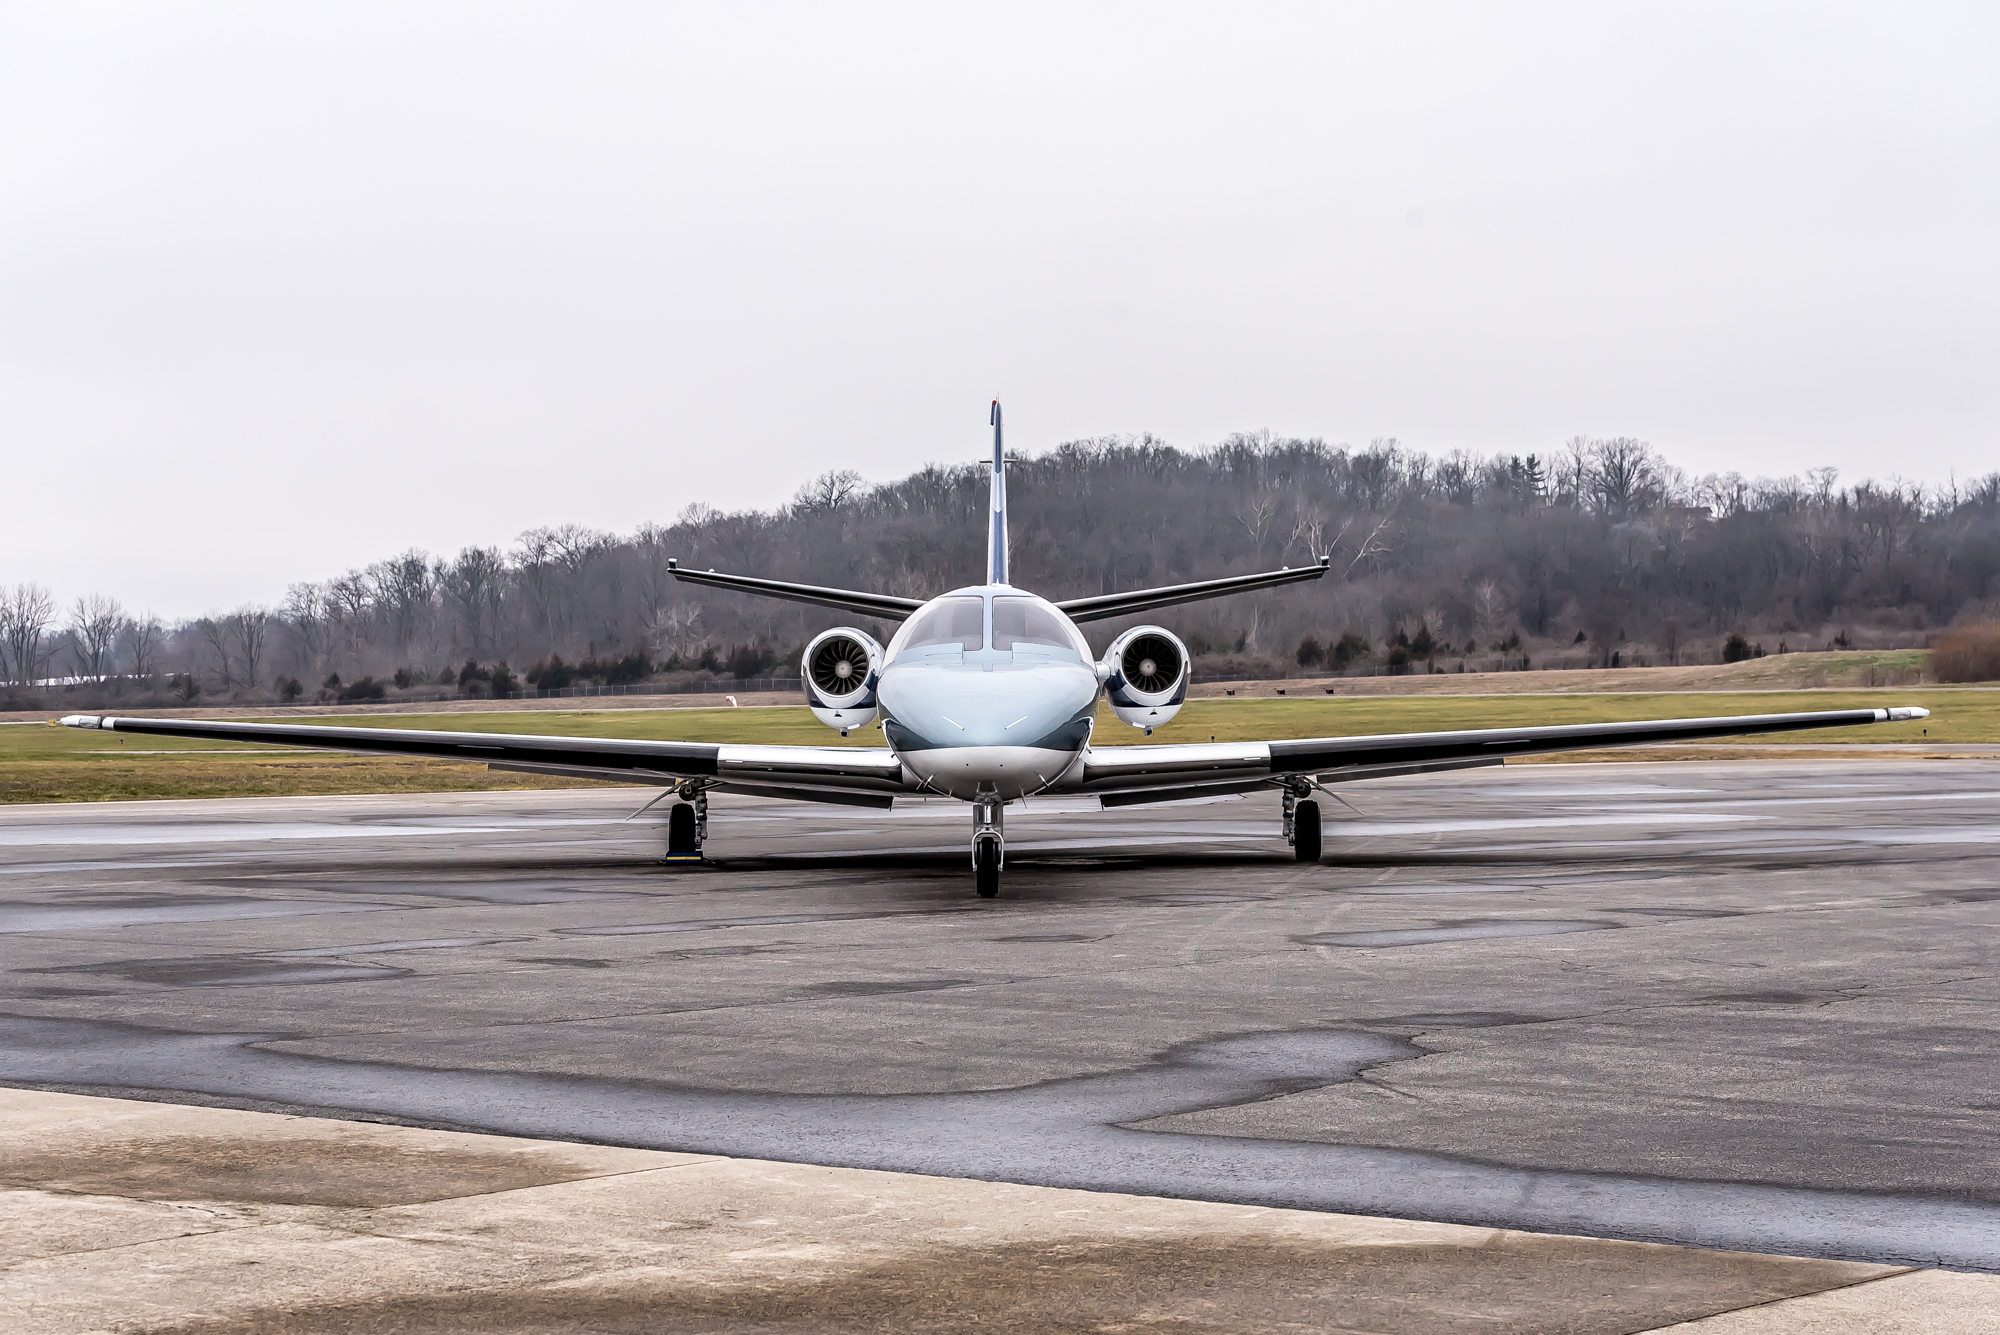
column 1134, row 775
column 847, row 775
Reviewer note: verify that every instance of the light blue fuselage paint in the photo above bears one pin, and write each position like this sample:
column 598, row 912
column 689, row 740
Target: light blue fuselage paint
column 968, row 718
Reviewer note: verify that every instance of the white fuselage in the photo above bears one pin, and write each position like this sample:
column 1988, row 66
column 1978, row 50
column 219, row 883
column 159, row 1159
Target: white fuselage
column 988, row 691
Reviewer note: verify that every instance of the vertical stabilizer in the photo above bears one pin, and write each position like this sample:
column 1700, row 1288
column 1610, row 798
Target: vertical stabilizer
column 996, row 538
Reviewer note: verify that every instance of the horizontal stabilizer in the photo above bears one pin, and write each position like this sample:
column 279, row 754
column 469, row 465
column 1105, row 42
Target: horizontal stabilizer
column 847, row 600
column 1145, row 600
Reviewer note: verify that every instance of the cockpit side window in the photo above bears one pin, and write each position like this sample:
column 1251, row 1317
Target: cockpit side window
column 1028, row 621
column 958, row 622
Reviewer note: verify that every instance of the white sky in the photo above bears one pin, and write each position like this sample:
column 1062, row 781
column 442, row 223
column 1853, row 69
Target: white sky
column 288, row 288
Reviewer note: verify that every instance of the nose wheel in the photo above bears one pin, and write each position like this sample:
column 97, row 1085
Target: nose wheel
column 989, row 849
column 986, row 868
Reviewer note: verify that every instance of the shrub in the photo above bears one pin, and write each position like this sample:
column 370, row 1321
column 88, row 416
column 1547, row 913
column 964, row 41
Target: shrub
column 1967, row 653
column 1735, row 649
column 1311, row 653
column 289, row 688
column 552, row 675
column 634, row 666
column 366, row 689
column 750, row 660
column 403, row 678
column 504, row 681
column 1352, row 648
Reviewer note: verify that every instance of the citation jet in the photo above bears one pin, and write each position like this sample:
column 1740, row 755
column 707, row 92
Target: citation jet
column 989, row 694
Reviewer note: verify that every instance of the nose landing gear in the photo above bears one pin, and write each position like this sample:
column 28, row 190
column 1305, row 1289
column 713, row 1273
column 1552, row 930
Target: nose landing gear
column 989, row 848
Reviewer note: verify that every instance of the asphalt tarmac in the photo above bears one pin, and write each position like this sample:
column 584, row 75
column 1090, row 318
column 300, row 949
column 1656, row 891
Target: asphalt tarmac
column 1744, row 1006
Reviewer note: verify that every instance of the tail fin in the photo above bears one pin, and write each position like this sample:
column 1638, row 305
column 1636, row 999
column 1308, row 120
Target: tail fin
column 996, row 539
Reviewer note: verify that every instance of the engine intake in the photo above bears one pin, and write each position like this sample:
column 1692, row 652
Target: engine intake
column 1145, row 674
column 841, row 669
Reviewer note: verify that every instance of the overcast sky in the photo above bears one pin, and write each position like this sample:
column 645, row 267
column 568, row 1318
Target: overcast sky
column 288, row 288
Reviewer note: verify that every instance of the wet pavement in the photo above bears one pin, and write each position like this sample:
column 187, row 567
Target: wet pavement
column 1744, row 1006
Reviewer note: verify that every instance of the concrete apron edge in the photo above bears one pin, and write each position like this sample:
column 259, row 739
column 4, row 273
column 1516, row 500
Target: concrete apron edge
column 370, row 1189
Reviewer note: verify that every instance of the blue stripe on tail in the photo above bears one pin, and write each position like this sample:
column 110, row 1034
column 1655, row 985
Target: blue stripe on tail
column 996, row 540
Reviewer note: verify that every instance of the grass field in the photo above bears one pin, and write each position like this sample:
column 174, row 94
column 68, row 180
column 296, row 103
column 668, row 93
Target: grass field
column 47, row 764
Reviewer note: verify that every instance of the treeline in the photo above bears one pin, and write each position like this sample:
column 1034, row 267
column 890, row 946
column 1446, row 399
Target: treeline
column 1600, row 551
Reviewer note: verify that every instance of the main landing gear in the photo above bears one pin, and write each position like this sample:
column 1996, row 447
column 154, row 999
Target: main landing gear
column 687, row 828
column 1302, row 821
column 989, row 848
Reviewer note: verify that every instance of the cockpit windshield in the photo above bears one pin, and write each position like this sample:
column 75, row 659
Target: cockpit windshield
column 958, row 622
column 1028, row 621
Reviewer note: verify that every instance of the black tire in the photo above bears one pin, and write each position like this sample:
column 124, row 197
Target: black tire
column 986, row 869
column 680, row 831
column 1305, row 826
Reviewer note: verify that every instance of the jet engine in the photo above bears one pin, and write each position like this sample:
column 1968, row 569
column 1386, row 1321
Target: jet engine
column 842, row 668
column 1145, row 673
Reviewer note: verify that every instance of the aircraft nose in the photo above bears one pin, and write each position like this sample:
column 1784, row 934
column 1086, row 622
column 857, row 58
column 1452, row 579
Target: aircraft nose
column 962, row 708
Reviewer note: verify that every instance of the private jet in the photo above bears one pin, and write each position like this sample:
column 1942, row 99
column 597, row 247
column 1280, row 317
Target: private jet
column 989, row 695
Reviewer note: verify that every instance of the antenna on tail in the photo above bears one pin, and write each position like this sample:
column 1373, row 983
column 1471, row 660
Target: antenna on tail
column 996, row 539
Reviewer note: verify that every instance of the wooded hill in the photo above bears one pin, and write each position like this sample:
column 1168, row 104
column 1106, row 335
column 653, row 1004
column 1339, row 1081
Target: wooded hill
column 1600, row 548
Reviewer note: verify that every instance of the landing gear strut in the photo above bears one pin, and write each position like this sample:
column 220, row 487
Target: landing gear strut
column 687, row 827
column 1302, row 821
column 989, row 849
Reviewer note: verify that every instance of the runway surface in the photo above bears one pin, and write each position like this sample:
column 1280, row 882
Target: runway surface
column 1743, row 1006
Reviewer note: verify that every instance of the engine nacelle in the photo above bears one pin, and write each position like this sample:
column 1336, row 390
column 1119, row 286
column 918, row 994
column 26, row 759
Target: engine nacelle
column 841, row 668
column 1145, row 674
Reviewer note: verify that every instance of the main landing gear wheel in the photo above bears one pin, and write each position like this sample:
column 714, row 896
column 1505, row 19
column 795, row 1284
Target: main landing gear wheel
column 986, row 868
column 683, row 840
column 1305, row 831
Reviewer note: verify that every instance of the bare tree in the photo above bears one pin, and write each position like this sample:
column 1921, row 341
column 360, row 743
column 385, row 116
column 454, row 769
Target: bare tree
column 142, row 645
column 305, row 612
column 27, row 611
column 828, row 491
column 1623, row 476
column 214, row 632
column 577, row 547
column 347, row 608
column 676, row 630
column 1309, row 525
column 402, row 590
column 1488, row 606
column 92, row 631
column 249, row 625
column 1672, row 634
column 472, row 584
column 1256, row 514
